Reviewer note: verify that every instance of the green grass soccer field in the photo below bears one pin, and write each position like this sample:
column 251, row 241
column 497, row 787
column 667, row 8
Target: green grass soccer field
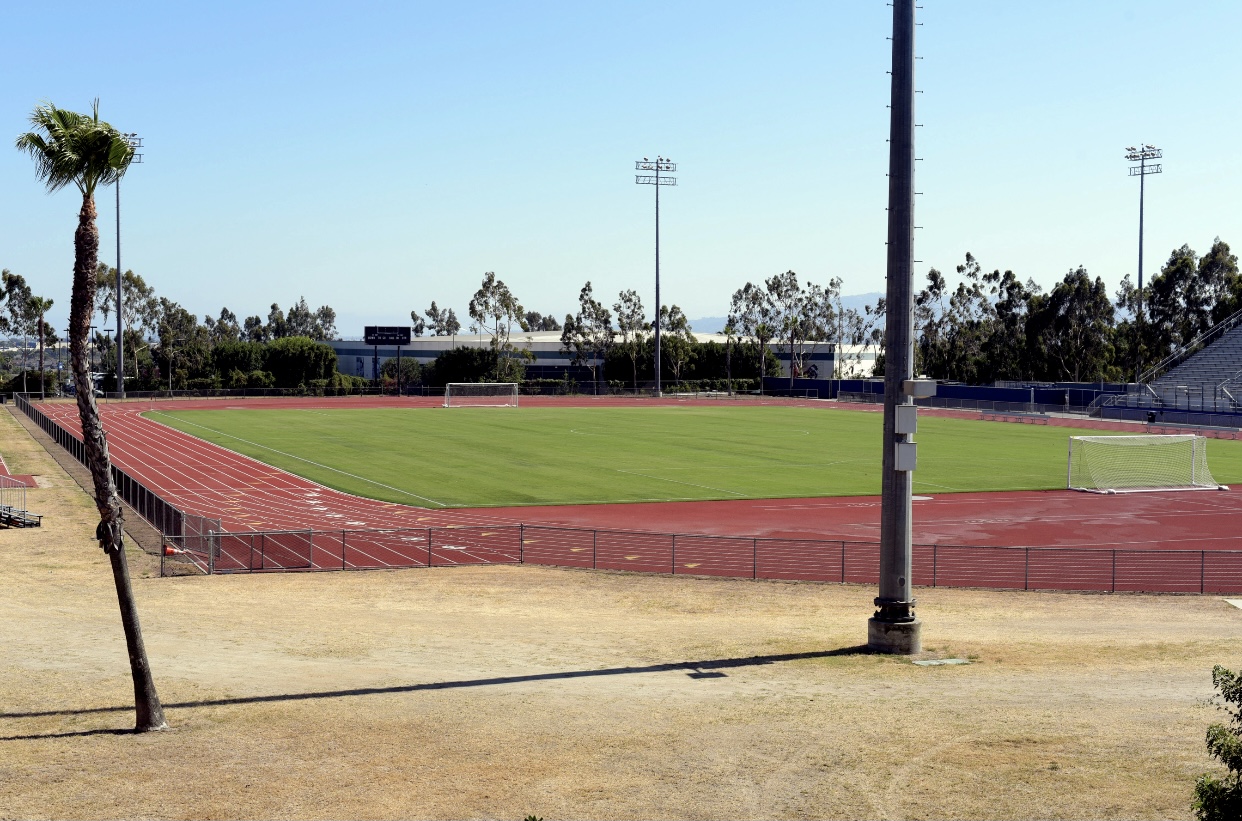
column 480, row 457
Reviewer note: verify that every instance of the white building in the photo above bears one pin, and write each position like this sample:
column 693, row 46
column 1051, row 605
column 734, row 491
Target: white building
column 356, row 358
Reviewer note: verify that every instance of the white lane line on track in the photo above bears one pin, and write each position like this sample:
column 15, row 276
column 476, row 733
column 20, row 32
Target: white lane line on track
column 307, row 461
column 678, row 482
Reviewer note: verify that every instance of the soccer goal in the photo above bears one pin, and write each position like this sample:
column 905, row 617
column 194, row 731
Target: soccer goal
column 481, row 395
column 1134, row 464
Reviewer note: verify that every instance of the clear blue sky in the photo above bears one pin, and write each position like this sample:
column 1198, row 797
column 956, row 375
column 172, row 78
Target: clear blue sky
column 377, row 156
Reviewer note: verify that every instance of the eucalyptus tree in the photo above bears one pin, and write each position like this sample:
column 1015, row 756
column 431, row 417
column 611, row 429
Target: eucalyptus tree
column 140, row 307
column 1188, row 295
column 441, row 322
column 1070, row 330
column 223, row 330
column 20, row 319
column 678, row 339
column 589, row 334
column 81, row 150
column 255, row 330
column 752, row 314
column 541, row 322
column 789, row 316
column 633, row 326
column 38, row 307
column 318, row 325
column 817, row 321
column 496, row 311
column 277, row 327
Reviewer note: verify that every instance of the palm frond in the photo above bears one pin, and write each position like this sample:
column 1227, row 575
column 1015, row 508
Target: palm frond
column 68, row 147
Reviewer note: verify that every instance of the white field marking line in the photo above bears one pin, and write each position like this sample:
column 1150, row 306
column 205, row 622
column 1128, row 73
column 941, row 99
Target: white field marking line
column 309, row 462
column 678, row 482
column 768, row 464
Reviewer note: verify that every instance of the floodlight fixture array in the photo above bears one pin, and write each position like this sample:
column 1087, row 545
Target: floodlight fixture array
column 661, row 166
column 1141, row 156
column 135, row 142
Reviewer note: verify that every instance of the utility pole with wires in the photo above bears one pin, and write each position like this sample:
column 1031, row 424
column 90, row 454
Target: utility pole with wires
column 1141, row 156
column 135, row 142
column 666, row 166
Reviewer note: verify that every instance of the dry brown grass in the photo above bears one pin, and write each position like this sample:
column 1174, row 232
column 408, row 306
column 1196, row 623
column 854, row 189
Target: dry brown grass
column 465, row 701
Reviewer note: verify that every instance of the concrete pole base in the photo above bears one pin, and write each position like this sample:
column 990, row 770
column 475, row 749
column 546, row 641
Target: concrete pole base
column 899, row 638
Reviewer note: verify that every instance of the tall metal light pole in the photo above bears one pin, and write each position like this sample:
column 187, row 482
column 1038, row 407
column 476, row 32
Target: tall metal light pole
column 1141, row 156
column 661, row 164
column 135, row 142
column 894, row 627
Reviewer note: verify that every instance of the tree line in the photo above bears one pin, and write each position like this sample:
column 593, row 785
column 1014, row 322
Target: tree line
column 992, row 326
column 167, row 347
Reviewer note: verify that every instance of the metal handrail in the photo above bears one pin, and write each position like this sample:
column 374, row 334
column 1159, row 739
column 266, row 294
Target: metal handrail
column 1220, row 385
column 1190, row 347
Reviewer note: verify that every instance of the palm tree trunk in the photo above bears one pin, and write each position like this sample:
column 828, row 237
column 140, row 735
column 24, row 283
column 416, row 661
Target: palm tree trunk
column 150, row 714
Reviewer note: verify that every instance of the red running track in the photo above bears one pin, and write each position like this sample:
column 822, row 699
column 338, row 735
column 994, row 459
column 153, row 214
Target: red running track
column 246, row 495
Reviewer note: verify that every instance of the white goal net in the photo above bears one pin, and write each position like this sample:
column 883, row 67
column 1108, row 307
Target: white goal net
column 1132, row 464
column 481, row 395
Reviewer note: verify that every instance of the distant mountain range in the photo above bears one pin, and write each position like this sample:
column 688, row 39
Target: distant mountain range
column 715, row 324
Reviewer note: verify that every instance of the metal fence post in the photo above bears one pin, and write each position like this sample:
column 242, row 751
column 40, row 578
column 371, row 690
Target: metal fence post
column 594, row 549
column 1114, row 588
column 343, row 546
column 673, row 569
column 1202, row 571
column 935, row 550
column 211, row 552
column 429, row 547
column 754, row 559
column 842, row 562
column 521, row 543
column 1026, row 571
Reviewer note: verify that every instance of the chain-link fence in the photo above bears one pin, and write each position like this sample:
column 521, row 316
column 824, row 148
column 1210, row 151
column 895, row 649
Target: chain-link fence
column 163, row 516
column 815, row 560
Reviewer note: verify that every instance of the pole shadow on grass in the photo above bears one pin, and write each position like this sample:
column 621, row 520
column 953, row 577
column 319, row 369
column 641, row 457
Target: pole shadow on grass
column 706, row 669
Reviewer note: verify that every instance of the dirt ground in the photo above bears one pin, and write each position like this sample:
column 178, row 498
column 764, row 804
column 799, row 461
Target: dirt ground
column 498, row 692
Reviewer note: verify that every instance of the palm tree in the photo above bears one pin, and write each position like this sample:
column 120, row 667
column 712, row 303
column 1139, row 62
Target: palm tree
column 82, row 150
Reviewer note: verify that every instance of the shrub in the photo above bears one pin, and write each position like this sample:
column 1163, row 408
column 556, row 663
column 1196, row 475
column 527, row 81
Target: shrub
column 295, row 360
column 203, row 383
column 259, row 379
column 462, row 365
column 1220, row 798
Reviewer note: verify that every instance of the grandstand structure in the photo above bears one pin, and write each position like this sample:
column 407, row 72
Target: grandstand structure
column 1212, row 376
column 1203, row 376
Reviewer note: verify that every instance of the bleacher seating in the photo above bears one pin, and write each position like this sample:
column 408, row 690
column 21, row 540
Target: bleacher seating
column 15, row 517
column 1209, row 378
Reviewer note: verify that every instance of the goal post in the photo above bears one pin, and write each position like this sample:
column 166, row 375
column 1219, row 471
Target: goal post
column 1136, row 464
column 481, row 395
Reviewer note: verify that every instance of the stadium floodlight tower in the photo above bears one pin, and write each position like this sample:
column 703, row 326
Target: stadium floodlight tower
column 135, row 142
column 665, row 166
column 894, row 627
column 1141, row 155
